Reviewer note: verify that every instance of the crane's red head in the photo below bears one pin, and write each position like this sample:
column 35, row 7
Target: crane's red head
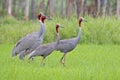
column 80, row 21
column 57, row 26
column 43, row 18
column 39, row 15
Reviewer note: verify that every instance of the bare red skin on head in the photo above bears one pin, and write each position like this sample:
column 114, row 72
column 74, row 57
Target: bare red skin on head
column 43, row 18
column 39, row 16
column 57, row 26
column 80, row 21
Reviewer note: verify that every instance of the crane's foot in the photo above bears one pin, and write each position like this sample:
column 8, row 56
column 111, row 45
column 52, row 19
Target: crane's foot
column 28, row 61
column 42, row 64
column 63, row 63
column 32, row 59
column 62, row 60
column 43, row 61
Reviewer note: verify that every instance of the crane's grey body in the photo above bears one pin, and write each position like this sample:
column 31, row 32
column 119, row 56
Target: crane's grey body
column 29, row 42
column 44, row 50
column 68, row 44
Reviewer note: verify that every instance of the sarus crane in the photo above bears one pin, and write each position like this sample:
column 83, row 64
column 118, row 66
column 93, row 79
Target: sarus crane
column 30, row 41
column 47, row 49
column 68, row 45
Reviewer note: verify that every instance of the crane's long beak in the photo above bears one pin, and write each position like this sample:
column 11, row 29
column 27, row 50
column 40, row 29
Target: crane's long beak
column 85, row 21
column 48, row 18
column 61, row 26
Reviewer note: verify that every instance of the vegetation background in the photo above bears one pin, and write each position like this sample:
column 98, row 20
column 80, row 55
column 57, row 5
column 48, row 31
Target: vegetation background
column 19, row 17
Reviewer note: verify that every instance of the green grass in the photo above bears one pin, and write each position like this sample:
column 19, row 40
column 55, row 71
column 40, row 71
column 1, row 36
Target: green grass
column 85, row 62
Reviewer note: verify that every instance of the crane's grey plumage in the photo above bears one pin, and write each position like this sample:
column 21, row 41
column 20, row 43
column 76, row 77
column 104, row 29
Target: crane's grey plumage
column 37, row 42
column 47, row 49
column 30, row 41
column 68, row 45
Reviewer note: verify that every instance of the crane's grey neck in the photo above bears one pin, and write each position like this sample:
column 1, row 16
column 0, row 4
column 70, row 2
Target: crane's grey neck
column 79, row 35
column 57, row 40
column 42, row 30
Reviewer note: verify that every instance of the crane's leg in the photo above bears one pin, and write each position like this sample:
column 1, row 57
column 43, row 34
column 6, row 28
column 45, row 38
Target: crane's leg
column 62, row 60
column 28, row 52
column 43, row 61
column 29, row 59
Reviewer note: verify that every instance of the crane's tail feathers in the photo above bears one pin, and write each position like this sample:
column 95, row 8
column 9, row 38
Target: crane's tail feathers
column 14, row 52
column 21, row 56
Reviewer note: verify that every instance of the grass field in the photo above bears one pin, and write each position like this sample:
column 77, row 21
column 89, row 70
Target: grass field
column 86, row 62
column 97, row 57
